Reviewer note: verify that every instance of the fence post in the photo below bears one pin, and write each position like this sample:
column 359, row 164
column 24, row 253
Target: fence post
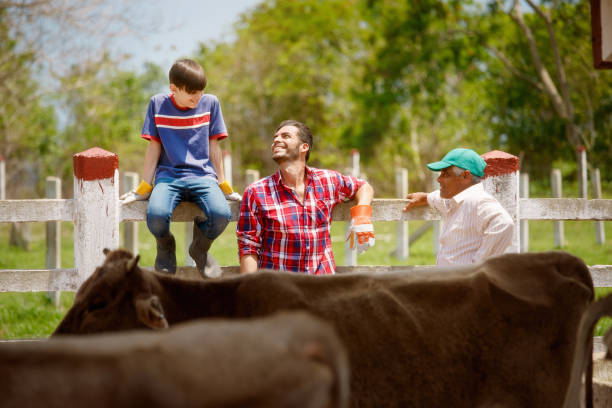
column 130, row 228
column 436, row 223
column 53, row 255
column 582, row 167
column 350, row 255
column 502, row 182
column 557, row 192
column 524, row 193
column 251, row 176
column 401, row 187
column 2, row 179
column 600, row 233
column 227, row 167
column 96, row 208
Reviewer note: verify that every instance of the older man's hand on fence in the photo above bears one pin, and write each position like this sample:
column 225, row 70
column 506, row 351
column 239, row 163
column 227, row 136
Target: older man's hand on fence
column 230, row 194
column 415, row 200
column 361, row 234
column 142, row 192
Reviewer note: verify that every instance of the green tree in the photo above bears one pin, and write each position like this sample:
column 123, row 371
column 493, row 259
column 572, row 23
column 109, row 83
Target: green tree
column 290, row 59
column 546, row 98
column 105, row 107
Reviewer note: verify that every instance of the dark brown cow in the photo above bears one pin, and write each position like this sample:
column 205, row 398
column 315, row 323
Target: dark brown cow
column 501, row 333
column 289, row 360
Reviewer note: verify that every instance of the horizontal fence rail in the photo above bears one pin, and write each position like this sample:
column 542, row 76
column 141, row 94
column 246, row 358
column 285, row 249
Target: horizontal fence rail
column 383, row 210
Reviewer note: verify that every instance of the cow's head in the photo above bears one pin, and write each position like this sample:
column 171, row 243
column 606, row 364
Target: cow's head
column 114, row 297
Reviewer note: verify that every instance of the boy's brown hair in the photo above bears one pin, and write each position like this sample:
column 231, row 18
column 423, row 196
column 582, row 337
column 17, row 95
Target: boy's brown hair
column 188, row 75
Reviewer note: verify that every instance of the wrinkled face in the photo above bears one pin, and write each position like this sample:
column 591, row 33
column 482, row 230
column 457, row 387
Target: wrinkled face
column 287, row 145
column 452, row 184
column 110, row 299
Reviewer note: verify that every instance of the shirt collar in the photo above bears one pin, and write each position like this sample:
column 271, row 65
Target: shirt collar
column 279, row 180
column 476, row 188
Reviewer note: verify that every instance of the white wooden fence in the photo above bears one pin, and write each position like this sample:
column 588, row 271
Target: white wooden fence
column 96, row 213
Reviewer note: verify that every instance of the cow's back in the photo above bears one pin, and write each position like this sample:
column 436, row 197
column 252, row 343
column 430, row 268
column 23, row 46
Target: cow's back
column 499, row 332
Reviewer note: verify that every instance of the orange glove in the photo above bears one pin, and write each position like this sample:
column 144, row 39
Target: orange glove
column 361, row 233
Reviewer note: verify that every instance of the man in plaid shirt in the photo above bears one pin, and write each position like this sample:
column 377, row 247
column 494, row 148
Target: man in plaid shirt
column 285, row 218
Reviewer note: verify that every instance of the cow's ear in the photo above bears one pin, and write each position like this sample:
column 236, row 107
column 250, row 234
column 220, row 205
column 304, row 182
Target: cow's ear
column 106, row 251
column 150, row 312
column 132, row 263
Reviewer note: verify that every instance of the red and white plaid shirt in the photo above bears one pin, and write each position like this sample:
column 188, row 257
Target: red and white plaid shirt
column 286, row 234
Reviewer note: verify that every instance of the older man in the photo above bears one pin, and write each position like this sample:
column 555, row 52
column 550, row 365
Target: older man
column 475, row 225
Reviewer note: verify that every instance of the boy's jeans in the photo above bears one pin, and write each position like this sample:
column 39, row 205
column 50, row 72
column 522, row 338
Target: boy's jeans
column 204, row 192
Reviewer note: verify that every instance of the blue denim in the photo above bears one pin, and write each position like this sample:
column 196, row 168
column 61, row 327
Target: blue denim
column 202, row 191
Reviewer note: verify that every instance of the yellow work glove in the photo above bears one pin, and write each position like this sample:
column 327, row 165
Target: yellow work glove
column 142, row 192
column 229, row 192
column 361, row 234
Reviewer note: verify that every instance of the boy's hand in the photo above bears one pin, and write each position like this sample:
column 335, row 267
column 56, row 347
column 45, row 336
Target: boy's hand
column 230, row 194
column 361, row 233
column 142, row 192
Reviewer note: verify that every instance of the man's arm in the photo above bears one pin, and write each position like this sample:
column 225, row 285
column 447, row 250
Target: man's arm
column 416, row 200
column 248, row 263
column 216, row 159
column 365, row 194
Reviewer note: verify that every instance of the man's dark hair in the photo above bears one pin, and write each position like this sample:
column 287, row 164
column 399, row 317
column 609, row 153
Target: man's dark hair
column 304, row 133
column 188, row 75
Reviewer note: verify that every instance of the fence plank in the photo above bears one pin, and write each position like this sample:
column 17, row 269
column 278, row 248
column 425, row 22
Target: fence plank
column 40, row 210
column 402, row 250
column 53, row 253
column 565, row 209
column 600, row 233
column 524, row 229
column 130, row 229
column 557, row 192
column 38, row 280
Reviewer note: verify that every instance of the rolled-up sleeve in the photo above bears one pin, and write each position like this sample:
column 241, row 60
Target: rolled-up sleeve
column 347, row 186
column 249, row 226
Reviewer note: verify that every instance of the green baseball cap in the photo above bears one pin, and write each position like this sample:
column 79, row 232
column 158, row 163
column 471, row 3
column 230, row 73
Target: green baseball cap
column 466, row 159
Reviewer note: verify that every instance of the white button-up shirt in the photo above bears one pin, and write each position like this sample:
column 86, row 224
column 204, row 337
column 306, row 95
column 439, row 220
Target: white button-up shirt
column 475, row 226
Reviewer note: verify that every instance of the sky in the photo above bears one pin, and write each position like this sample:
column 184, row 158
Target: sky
column 180, row 26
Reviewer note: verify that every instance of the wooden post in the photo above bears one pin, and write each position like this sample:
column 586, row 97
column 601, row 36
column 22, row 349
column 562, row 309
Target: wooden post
column 53, row 256
column 582, row 168
column 401, row 187
column 524, row 193
column 227, row 167
column 96, row 208
column 350, row 255
column 600, row 233
column 2, row 179
column 557, row 192
column 502, row 182
column 436, row 228
column 251, row 176
column 130, row 228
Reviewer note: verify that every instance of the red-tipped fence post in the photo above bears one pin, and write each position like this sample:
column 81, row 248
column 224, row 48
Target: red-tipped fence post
column 502, row 181
column 96, row 208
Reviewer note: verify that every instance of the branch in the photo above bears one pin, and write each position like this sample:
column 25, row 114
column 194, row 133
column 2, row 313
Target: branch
column 561, row 77
column 547, row 82
column 515, row 71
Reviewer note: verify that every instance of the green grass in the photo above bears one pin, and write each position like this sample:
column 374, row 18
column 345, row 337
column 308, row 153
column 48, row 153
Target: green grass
column 31, row 315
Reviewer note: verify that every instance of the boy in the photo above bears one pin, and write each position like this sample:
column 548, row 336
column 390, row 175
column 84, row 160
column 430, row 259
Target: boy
column 183, row 129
